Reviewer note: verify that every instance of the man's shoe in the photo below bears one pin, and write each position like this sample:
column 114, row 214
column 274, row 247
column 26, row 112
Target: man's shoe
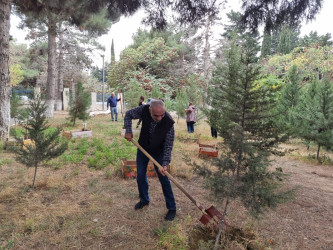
column 140, row 205
column 170, row 215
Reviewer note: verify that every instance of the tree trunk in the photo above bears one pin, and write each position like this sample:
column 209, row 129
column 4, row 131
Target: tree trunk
column 60, row 88
column 318, row 150
column 51, row 68
column 73, row 89
column 33, row 182
column 183, row 63
column 4, row 69
column 207, row 51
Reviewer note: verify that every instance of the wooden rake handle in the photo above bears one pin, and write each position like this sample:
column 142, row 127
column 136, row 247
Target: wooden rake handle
column 169, row 176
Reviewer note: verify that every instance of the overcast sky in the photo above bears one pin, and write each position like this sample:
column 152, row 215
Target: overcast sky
column 123, row 31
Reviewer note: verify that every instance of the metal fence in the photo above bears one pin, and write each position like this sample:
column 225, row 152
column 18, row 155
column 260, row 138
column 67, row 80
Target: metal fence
column 23, row 93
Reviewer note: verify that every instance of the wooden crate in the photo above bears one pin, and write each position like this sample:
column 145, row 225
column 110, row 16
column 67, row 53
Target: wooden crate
column 129, row 169
column 67, row 134
column 207, row 145
column 206, row 150
column 11, row 143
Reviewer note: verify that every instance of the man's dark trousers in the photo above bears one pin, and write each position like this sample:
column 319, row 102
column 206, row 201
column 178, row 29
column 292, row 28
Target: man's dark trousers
column 142, row 162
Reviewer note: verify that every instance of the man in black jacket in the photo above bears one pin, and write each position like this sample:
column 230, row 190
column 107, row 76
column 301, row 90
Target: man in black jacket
column 156, row 137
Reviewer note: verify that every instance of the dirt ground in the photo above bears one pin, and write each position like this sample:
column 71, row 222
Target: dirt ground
column 76, row 207
column 307, row 221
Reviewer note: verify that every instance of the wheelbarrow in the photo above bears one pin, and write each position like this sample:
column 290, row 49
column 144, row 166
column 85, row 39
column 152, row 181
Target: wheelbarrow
column 211, row 217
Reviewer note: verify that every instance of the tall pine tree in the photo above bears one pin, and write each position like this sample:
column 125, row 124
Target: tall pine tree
column 266, row 44
column 288, row 102
column 314, row 114
column 244, row 121
column 284, row 46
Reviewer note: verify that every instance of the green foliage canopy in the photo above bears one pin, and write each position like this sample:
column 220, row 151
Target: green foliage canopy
column 313, row 63
column 154, row 56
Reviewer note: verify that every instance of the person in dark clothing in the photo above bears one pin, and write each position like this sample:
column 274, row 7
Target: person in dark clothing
column 213, row 132
column 141, row 102
column 156, row 137
column 112, row 102
column 212, row 122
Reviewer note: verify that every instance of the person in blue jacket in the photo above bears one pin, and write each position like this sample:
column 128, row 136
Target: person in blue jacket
column 112, row 102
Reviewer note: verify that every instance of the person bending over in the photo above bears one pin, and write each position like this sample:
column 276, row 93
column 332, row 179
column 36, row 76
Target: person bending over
column 156, row 137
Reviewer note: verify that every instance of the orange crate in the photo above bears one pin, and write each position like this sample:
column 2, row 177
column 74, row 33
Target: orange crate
column 208, row 150
column 11, row 144
column 129, row 169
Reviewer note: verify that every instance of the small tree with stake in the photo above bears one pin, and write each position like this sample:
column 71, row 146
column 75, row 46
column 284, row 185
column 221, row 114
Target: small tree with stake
column 80, row 104
column 46, row 142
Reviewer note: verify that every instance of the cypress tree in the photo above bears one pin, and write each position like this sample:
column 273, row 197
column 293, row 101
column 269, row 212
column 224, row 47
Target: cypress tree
column 113, row 58
column 278, row 36
column 266, row 44
column 288, row 102
column 284, row 46
column 79, row 105
column 46, row 141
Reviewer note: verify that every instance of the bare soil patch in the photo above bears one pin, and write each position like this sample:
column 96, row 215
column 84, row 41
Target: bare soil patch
column 306, row 222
